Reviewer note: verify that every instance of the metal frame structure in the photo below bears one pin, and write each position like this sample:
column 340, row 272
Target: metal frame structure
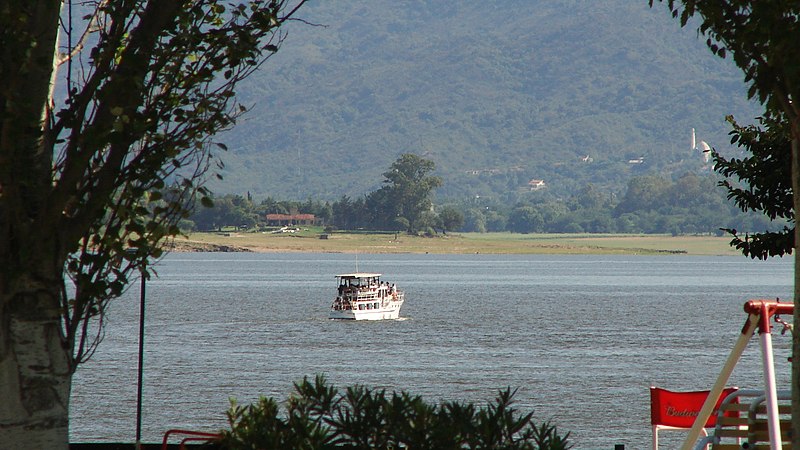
column 759, row 314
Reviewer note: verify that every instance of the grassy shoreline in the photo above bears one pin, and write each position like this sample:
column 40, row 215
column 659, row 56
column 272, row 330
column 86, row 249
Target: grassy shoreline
column 308, row 240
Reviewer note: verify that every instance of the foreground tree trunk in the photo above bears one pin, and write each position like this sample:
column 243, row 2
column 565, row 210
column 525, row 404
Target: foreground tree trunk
column 35, row 367
column 34, row 384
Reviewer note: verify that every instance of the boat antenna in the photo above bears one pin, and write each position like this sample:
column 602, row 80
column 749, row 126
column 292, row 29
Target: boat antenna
column 356, row 261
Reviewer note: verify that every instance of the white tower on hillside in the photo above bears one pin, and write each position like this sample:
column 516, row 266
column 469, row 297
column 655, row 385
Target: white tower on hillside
column 705, row 149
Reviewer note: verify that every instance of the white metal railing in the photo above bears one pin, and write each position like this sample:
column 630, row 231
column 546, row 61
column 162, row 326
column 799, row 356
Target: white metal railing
column 758, row 398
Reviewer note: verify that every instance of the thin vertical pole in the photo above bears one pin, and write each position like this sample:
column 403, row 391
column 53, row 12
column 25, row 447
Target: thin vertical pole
column 771, row 391
column 141, row 365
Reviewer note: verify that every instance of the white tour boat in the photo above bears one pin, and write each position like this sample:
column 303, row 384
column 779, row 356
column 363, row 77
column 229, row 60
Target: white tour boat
column 363, row 296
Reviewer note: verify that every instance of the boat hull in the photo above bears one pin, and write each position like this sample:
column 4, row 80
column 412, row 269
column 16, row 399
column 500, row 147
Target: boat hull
column 390, row 311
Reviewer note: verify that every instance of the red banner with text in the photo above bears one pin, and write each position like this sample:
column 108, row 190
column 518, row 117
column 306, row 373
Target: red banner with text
column 679, row 409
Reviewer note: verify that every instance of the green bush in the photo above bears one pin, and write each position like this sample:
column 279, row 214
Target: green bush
column 318, row 416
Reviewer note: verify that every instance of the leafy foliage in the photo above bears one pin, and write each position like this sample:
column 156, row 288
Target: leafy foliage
column 318, row 416
column 763, row 183
column 406, row 194
column 761, row 37
column 134, row 137
column 451, row 218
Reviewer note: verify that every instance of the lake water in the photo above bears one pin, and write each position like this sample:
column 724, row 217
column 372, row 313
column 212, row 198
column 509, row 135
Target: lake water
column 581, row 337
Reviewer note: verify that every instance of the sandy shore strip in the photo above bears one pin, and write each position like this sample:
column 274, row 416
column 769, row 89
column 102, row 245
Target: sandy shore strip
column 462, row 243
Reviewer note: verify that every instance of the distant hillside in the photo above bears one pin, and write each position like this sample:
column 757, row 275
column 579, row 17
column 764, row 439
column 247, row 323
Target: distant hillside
column 494, row 92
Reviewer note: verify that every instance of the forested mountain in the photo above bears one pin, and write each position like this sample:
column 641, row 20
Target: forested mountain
column 496, row 93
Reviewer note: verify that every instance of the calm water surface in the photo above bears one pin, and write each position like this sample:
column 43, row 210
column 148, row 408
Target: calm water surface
column 581, row 337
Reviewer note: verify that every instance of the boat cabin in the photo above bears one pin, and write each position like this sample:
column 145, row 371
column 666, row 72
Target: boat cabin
column 359, row 280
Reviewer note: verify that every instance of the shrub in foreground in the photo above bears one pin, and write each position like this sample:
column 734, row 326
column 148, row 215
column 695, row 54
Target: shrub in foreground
column 318, row 416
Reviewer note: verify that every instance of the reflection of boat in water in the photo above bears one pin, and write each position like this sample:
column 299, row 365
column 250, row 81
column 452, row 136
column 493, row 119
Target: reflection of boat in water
column 363, row 296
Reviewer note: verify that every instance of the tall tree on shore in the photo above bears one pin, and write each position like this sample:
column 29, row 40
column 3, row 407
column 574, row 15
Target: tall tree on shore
column 762, row 38
column 94, row 179
column 406, row 193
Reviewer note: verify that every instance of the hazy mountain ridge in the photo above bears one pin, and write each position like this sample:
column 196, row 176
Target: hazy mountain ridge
column 510, row 89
